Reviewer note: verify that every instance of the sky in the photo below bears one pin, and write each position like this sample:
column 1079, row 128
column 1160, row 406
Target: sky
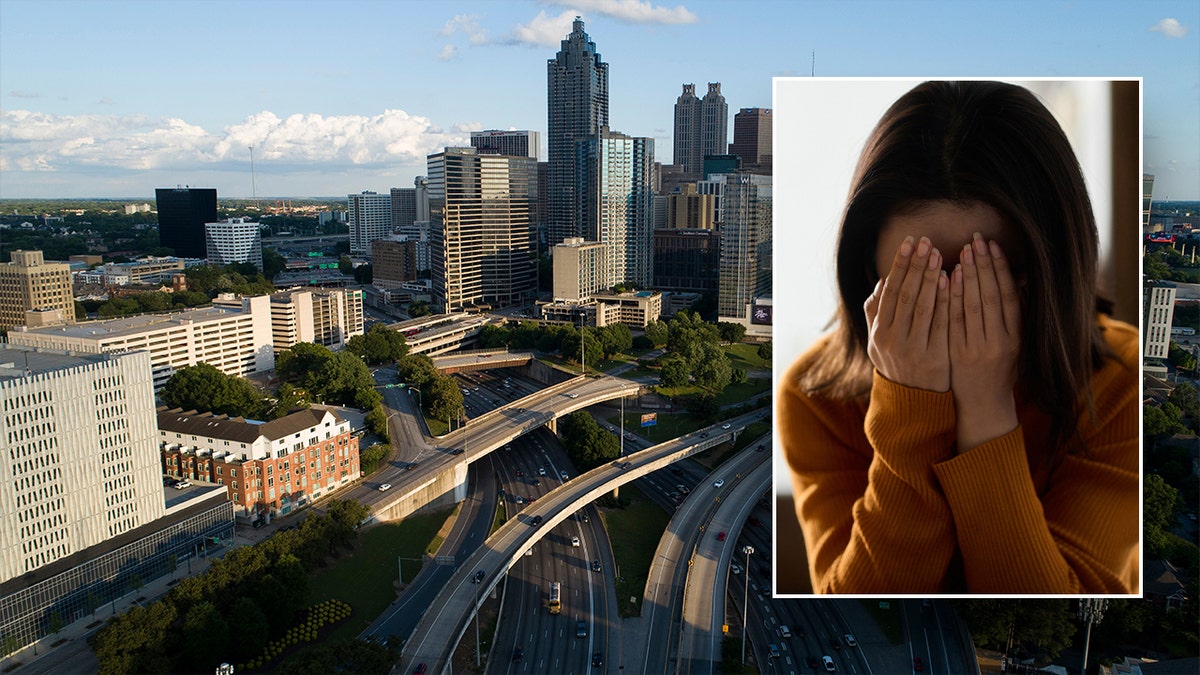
column 114, row 99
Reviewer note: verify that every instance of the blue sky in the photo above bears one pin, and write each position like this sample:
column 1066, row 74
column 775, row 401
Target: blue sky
column 114, row 99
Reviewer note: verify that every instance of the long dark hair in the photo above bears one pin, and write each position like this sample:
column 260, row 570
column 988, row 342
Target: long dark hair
column 995, row 144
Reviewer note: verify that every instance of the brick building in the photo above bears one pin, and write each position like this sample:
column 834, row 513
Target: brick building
column 268, row 468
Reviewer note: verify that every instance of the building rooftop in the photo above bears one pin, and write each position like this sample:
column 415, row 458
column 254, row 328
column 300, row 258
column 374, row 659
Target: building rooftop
column 133, row 325
column 18, row 361
column 239, row 429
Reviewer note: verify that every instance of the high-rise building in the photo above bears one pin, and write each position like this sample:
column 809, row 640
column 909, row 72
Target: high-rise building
column 323, row 316
column 689, row 209
column 1147, row 199
column 393, row 261
column 579, row 270
column 182, row 214
column 34, row 292
column 80, row 462
column 745, row 275
column 701, row 127
column 481, row 210
column 1158, row 311
column 616, row 186
column 236, row 240
column 686, row 259
column 577, row 105
column 404, row 207
column 370, row 218
column 752, row 139
column 515, row 143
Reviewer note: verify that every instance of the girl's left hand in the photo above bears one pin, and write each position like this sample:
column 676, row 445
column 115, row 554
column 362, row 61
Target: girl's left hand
column 985, row 335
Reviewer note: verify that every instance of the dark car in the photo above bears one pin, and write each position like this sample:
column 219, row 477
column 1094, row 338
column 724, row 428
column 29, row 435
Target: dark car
column 419, row 669
column 478, row 577
column 411, row 466
column 626, row 465
column 457, row 451
column 580, row 629
column 596, row 567
column 537, row 520
column 537, row 482
column 918, row 664
column 812, row 661
column 597, row 659
column 518, row 654
column 835, row 643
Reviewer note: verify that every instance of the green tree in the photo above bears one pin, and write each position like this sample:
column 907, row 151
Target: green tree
column 136, row 641
column 273, row 263
column 443, row 399
column 731, row 332
column 377, row 421
column 288, row 399
column 1180, row 358
column 368, row 460
column 80, row 311
column 202, row 387
column 250, row 636
column 657, row 332
column 364, row 274
column 674, row 372
column 710, row 365
column 379, row 344
column 738, row 376
column 1154, row 421
column 494, row 337
column 153, row 301
column 1159, row 503
column 1185, row 399
column 586, row 443
column 341, row 656
column 418, row 309
column 415, row 370
column 616, row 339
column 764, row 351
column 205, row 637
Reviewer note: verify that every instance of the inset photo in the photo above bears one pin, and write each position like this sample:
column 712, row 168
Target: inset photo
column 956, row 347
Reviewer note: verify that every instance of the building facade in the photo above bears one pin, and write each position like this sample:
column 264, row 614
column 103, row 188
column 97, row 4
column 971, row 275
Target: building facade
column 267, row 468
column 616, row 186
column 481, row 209
column 34, row 292
column 752, row 136
column 182, row 213
column 236, row 240
column 404, row 207
column 323, row 316
column 370, row 217
column 745, row 273
column 236, row 342
column 1158, row 311
column 394, row 261
column 577, row 107
column 579, row 270
column 79, row 464
column 687, row 259
column 688, row 209
column 701, row 128
column 514, row 143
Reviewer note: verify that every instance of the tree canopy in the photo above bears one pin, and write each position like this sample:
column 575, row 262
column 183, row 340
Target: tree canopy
column 586, row 443
column 379, row 344
column 204, row 388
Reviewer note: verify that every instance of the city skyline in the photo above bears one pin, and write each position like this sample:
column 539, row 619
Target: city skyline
column 116, row 99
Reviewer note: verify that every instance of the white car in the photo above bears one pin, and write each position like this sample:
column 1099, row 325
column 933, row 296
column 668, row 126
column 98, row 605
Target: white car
column 385, row 487
column 541, row 471
column 850, row 642
column 720, row 483
column 735, row 568
column 563, row 475
column 575, row 541
column 725, row 426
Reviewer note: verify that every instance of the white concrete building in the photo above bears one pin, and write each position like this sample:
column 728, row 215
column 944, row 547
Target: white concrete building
column 579, row 270
column 324, row 316
column 370, row 217
column 236, row 240
column 79, row 461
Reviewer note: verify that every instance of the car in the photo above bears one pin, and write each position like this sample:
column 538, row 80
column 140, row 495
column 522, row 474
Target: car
column 563, row 475
column 518, row 654
column 773, row 651
column 596, row 566
column 478, row 577
column 520, row 499
column 784, row 631
column 537, row 520
column 835, row 643
column 536, row 482
column 421, row 667
column 185, row 483
column 725, row 426
column 573, row 395
column 721, row 536
column 597, row 659
column 466, row 391
column 735, row 568
column 720, row 483
column 675, row 496
column 918, row 664
column 812, row 662
column 850, row 642
column 580, row 629
column 626, row 465
column 520, row 473
column 828, row 661
column 704, row 435
column 530, row 498
column 541, row 471
column 585, row 518
column 574, row 541
column 411, row 466
column 529, row 551
column 385, row 487
column 457, row 451
column 677, row 471
column 169, row 481
column 760, row 447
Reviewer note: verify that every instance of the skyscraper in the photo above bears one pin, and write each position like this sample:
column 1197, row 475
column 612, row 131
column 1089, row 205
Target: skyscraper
column 701, row 127
column 752, row 139
column 516, row 143
column 35, row 293
column 236, row 240
column 182, row 213
column 481, row 210
column 615, row 183
column 745, row 275
column 577, row 107
column 370, row 217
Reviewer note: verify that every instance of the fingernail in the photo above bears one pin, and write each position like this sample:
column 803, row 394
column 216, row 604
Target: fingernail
column 995, row 249
column 923, row 247
column 980, row 246
column 906, row 248
column 958, row 275
column 942, row 281
column 935, row 260
column 968, row 258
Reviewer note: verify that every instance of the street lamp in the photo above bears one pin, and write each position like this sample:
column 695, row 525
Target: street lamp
column 748, row 550
column 1091, row 610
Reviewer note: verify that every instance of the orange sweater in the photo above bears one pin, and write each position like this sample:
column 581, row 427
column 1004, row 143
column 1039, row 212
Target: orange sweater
column 886, row 506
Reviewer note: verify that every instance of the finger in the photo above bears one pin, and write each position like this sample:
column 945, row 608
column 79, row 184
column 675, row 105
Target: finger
column 891, row 283
column 926, row 297
column 1010, row 299
column 871, row 306
column 989, row 289
column 958, row 326
column 910, row 288
column 972, row 306
column 939, row 333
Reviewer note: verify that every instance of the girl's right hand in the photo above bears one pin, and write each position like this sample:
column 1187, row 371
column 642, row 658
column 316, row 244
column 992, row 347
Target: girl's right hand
column 908, row 319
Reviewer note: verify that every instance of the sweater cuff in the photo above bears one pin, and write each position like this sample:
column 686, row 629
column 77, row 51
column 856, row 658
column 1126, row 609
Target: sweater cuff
column 971, row 481
column 910, row 427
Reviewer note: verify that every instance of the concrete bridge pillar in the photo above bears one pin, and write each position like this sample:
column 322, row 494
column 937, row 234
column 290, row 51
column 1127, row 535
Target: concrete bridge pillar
column 552, row 425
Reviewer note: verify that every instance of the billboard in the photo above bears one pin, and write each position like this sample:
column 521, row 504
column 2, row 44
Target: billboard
column 649, row 419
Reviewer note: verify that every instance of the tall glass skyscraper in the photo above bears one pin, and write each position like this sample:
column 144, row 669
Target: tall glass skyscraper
column 182, row 213
column 701, row 127
column 745, row 273
column 577, row 106
column 617, row 203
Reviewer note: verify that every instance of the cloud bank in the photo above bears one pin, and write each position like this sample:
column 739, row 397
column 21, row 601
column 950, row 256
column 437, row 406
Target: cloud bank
column 548, row 31
column 1170, row 28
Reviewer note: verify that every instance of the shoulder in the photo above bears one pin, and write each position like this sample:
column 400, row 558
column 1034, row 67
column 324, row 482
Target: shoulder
column 1122, row 339
column 803, row 413
column 1113, row 418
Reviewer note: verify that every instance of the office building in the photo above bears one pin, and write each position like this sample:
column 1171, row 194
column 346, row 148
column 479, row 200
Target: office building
column 236, row 240
column 1147, row 199
column 577, row 106
column 701, row 128
column 323, row 316
column 1158, row 311
column 182, row 214
column 34, row 292
column 616, row 187
column 688, row 209
column 687, row 259
column 236, row 342
column 514, row 143
column 745, row 267
column 481, row 209
column 404, row 207
column 268, row 468
column 370, row 218
column 394, row 261
column 579, row 270
column 752, row 139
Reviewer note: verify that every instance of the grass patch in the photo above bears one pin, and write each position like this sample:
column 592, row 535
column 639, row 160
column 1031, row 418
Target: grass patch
column 501, row 516
column 745, row 356
column 736, row 393
column 365, row 579
column 676, row 392
column 436, row 427
column 670, row 425
column 888, row 619
column 634, row 532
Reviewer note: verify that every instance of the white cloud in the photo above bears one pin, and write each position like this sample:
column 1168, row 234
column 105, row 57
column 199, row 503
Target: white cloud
column 466, row 23
column 1170, row 28
column 447, row 53
column 544, row 31
column 41, row 142
column 632, row 11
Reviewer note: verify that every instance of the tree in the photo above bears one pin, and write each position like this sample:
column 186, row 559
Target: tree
column 251, row 633
column 710, row 366
column 377, row 421
column 205, row 637
column 657, row 332
column 586, row 443
column 368, row 460
column 738, row 376
column 204, row 388
column 1159, row 503
column 1043, row 627
column 273, row 263
column 1154, row 421
column 364, row 274
column 674, row 372
column 764, row 351
column 419, row 308
column 494, row 337
column 731, row 332
column 1185, row 399
column 380, row 344
column 345, row 265
column 616, row 339
column 288, row 399
column 443, row 400
column 415, row 370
